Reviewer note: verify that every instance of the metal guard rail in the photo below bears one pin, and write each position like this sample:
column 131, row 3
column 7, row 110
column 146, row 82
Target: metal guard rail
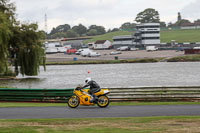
column 191, row 93
column 35, row 95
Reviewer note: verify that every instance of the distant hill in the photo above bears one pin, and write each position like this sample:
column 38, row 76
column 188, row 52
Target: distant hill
column 107, row 36
column 180, row 35
column 166, row 36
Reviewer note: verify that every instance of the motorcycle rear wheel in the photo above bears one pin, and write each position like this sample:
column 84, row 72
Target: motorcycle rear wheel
column 73, row 102
column 103, row 101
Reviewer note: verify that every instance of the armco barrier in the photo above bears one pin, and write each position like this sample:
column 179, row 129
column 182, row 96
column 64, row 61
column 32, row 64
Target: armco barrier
column 117, row 94
column 35, row 95
column 155, row 94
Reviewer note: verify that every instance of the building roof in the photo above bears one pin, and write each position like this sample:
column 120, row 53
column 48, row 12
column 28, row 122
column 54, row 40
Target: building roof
column 100, row 41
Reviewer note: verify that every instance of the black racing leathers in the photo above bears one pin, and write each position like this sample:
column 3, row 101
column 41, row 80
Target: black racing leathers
column 94, row 87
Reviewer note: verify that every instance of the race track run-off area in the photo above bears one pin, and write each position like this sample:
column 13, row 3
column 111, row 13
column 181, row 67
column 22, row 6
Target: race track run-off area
column 96, row 112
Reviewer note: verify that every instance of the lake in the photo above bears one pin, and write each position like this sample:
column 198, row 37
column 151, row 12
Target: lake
column 113, row 75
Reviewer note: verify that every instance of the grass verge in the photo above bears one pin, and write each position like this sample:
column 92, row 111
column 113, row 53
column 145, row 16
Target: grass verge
column 149, row 60
column 186, row 58
column 22, row 104
column 161, row 124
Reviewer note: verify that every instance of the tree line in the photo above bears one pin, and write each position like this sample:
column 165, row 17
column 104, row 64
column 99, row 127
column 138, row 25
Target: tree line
column 149, row 15
column 20, row 43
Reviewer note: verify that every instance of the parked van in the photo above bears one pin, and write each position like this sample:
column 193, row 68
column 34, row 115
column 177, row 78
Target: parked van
column 94, row 54
column 151, row 48
column 51, row 50
column 196, row 48
column 61, row 49
column 85, row 52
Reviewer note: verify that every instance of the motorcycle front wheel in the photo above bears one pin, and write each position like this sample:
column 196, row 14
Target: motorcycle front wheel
column 73, row 102
column 103, row 101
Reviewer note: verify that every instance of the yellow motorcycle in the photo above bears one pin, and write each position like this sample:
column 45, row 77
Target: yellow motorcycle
column 82, row 97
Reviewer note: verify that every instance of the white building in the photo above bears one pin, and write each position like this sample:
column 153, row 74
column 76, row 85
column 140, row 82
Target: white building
column 102, row 44
column 146, row 34
column 126, row 40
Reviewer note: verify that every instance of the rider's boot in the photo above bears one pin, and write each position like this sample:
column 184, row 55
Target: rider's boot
column 94, row 99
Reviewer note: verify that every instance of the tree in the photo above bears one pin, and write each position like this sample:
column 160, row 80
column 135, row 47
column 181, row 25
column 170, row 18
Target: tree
column 26, row 44
column 6, row 19
column 170, row 24
column 114, row 30
column 22, row 43
column 60, row 28
column 100, row 29
column 80, row 29
column 59, row 35
column 181, row 22
column 128, row 26
column 92, row 32
column 163, row 24
column 149, row 15
column 4, row 38
column 71, row 33
column 197, row 21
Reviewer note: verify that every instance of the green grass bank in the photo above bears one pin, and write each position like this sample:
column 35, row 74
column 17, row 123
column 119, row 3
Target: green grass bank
column 149, row 60
column 180, row 36
column 186, row 58
column 179, row 124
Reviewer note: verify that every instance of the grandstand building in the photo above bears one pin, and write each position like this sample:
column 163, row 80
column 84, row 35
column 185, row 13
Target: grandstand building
column 126, row 40
column 146, row 34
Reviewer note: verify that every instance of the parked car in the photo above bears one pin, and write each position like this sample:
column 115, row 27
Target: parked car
column 71, row 51
column 51, row 50
column 61, row 49
column 124, row 48
column 196, row 48
column 115, row 52
column 94, row 54
column 134, row 49
column 151, row 48
column 78, row 52
column 85, row 52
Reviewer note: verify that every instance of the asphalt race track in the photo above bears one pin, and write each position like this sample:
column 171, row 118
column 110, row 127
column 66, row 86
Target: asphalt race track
column 94, row 111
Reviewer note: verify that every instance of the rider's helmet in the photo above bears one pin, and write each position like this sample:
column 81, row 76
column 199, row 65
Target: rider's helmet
column 87, row 80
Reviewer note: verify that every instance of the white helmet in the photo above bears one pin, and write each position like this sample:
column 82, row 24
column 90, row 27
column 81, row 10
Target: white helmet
column 87, row 80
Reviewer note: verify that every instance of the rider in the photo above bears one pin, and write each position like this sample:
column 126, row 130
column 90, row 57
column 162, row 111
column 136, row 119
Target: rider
column 94, row 87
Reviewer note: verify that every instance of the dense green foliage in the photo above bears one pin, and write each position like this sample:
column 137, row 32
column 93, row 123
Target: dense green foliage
column 128, row 26
column 76, row 31
column 149, row 15
column 27, row 47
column 20, row 44
column 4, row 37
column 6, row 20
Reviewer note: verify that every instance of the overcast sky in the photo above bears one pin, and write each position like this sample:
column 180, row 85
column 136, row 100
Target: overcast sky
column 108, row 13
